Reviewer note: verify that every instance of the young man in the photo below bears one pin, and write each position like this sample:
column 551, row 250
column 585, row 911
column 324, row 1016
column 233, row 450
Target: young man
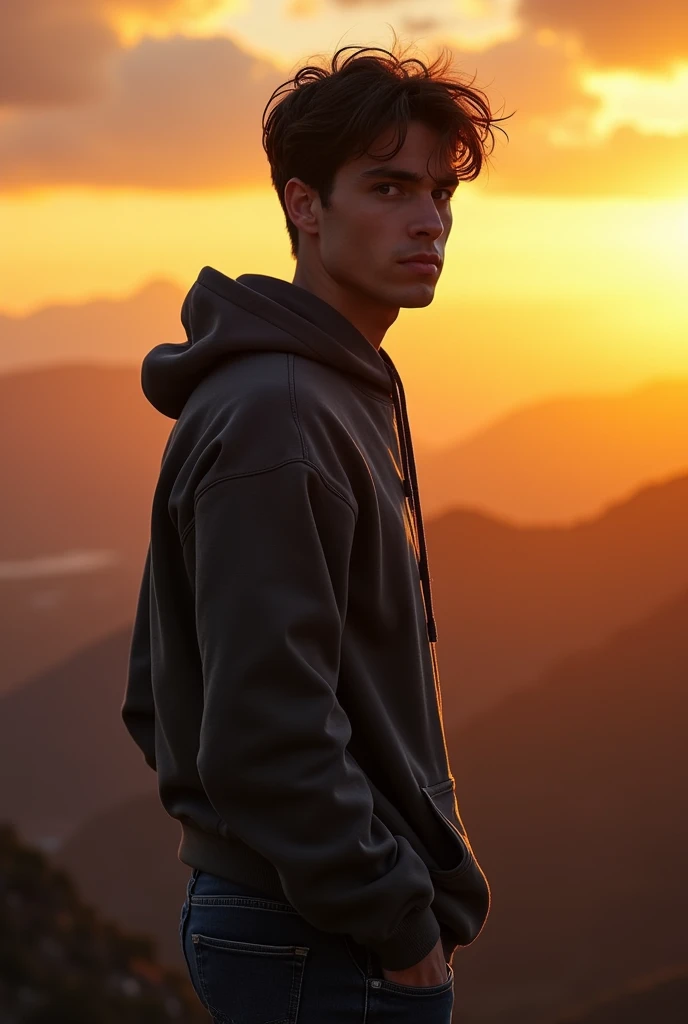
column 283, row 680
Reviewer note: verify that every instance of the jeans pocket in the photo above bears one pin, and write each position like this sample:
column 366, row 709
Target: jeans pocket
column 388, row 1001
column 249, row 982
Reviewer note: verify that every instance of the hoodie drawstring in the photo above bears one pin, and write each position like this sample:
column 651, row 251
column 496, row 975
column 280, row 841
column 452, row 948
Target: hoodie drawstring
column 411, row 490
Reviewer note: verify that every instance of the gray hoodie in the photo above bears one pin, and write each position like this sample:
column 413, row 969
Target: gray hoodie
column 283, row 680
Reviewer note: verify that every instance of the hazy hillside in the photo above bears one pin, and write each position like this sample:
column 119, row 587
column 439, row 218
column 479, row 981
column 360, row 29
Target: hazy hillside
column 83, row 456
column 74, row 538
column 63, row 744
column 573, row 793
column 659, row 999
column 542, row 593
column 52, row 607
column 549, row 461
column 562, row 458
column 114, row 331
column 145, row 841
column 83, row 460
column 511, row 600
column 61, row 963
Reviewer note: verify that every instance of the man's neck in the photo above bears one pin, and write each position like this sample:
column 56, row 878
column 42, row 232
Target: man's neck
column 370, row 319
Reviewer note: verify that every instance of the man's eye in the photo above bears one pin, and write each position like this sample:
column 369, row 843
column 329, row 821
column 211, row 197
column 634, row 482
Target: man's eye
column 386, row 184
column 391, row 184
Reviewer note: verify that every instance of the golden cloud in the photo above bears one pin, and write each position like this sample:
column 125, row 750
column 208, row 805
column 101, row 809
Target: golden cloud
column 185, row 113
column 624, row 164
column 181, row 113
column 537, row 79
column 553, row 147
column 618, row 33
column 54, row 52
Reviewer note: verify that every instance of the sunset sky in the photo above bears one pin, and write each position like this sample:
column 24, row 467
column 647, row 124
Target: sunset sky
column 130, row 150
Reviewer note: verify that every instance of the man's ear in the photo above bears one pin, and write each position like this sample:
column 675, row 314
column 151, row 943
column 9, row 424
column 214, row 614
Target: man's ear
column 303, row 205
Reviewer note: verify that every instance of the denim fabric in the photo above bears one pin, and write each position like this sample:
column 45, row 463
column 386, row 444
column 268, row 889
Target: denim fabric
column 255, row 960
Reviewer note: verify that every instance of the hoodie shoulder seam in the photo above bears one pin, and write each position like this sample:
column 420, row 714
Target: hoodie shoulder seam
column 292, row 399
column 267, row 469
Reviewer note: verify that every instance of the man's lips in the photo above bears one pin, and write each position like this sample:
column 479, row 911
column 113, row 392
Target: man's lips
column 421, row 267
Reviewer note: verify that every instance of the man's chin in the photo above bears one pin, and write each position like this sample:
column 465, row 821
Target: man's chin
column 418, row 296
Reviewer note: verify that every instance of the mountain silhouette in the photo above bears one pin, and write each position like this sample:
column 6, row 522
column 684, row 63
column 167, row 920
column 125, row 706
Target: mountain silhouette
column 83, row 456
column 63, row 744
column 147, row 840
column 564, row 457
column 512, row 600
column 573, row 793
column 547, row 460
column 661, row 998
column 61, row 963
column 106, row 331
column 83, row 450
column 510, row 603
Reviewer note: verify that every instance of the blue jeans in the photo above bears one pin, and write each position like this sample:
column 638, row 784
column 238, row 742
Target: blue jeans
column 255, row 960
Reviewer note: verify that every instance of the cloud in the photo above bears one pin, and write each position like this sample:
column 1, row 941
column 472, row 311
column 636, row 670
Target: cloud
column 625, row 163
column 55, row 52
column 68, row 563
column 303, row 8
column 363, row 3
column 180, row 113
column 421, row 26
column 538, row 79
column 52, row 53
column 554, row 148
column 618, row 33
column 185, row 113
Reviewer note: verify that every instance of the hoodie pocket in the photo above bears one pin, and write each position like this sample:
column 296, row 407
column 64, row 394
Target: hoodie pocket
column 442, row 799
column 462, row 893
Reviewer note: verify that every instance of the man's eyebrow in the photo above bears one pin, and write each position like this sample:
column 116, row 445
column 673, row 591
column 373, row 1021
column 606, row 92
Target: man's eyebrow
column 399, row 174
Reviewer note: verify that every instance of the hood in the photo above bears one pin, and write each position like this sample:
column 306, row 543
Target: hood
column 254, row 313
column 223, row 316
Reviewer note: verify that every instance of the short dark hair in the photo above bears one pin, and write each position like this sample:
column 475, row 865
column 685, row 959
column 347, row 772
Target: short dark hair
column 333, row 114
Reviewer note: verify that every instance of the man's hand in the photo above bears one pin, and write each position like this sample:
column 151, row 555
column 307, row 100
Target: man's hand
column 431, row 970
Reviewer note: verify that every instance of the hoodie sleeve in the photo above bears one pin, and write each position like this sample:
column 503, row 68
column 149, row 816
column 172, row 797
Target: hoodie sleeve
column 138, row 709
column 272, row 553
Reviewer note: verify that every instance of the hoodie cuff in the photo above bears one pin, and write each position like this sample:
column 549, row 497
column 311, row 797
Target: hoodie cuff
column 414, row 938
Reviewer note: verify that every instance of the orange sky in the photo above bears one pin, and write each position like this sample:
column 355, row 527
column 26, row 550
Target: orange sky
column 124, row 156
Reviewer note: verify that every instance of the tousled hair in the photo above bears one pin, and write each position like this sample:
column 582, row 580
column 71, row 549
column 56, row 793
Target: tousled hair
column 330, row 115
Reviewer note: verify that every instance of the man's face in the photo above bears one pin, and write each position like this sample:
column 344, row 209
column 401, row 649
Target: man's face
column 375, row 221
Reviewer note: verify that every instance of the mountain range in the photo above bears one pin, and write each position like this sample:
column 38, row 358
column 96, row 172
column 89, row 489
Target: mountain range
column 547, row 460
column 492, row 580
column 661, row 998
column 573, row 794
column 61, row 962
column 83, row 471
column 559, row 564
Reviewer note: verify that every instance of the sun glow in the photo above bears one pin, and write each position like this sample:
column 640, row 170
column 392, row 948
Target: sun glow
column 652, row 104
column 192, row 17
